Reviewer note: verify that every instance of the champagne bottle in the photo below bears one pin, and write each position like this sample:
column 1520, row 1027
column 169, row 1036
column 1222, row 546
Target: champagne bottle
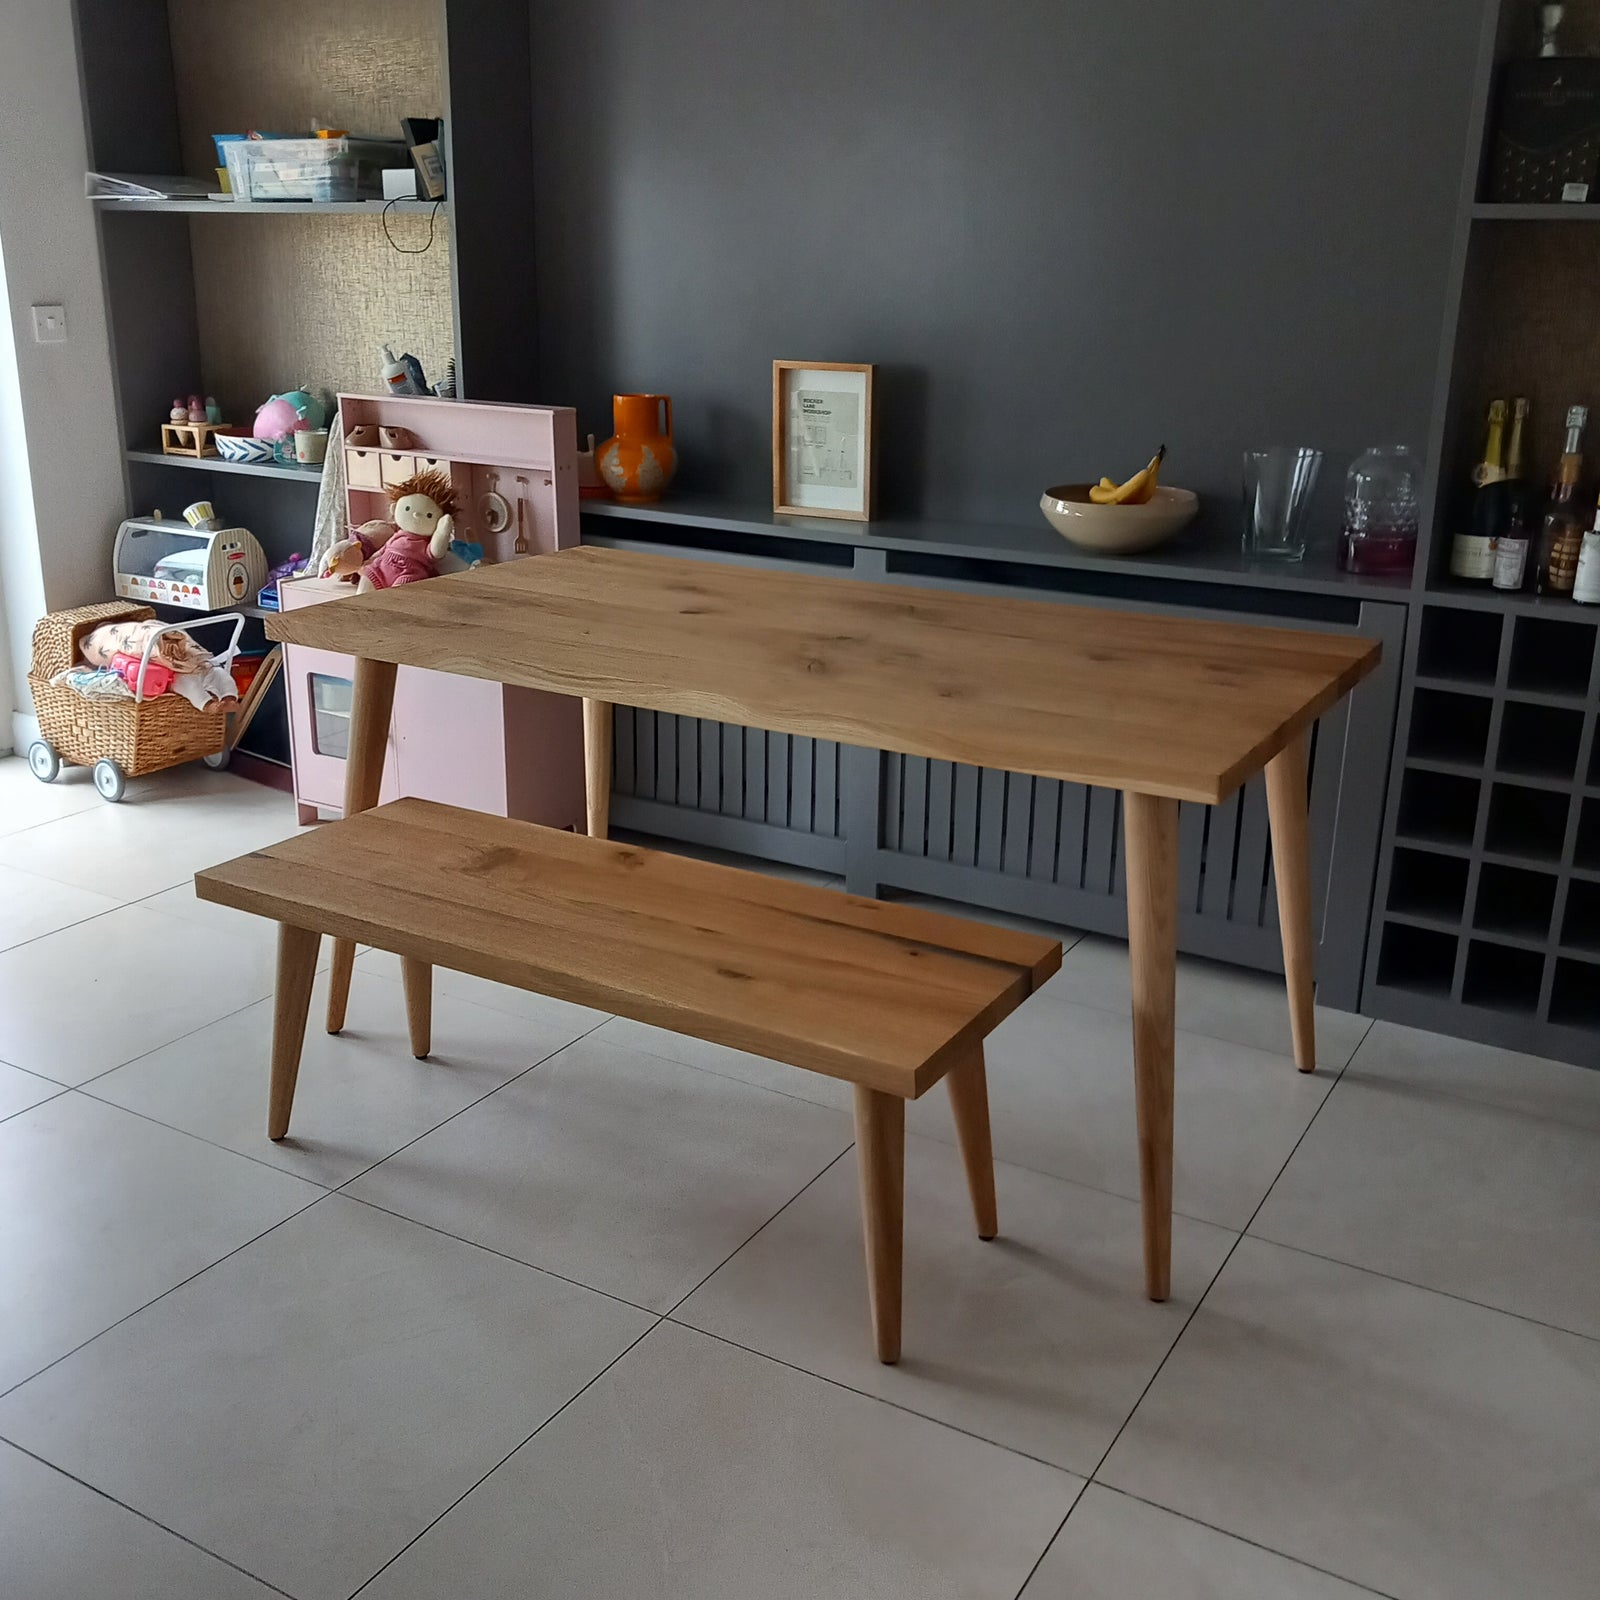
column 1512, row 543
column 1472, row 549
column 1561, row 536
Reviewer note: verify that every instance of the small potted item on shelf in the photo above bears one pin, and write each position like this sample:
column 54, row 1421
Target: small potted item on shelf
column 282, row 416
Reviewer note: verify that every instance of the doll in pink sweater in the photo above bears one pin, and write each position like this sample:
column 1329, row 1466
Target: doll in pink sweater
column 381, row 556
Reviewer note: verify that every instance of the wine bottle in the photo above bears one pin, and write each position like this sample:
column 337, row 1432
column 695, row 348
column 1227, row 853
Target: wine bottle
column 1512, row 542
column 1472, row 549
column 1561, row 536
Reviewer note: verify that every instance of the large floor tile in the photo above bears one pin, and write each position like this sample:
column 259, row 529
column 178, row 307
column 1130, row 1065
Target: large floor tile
column 1428, row 1448
column 1061, row 1101
column 627, row 1172
column 572, row 1019
column 25, row 802
column 19, row 1090
column 724, row 1060
column 309, row 1405
column 170, row 825
column 76, row 1003
column 1215, row 999
column 1117, row 1548
column 1457, row 1166
column 60, row 1541
column 695, row 1471
column 360, row 1095
column 1041, row 1340
column 33, row 906
column 101, row 1211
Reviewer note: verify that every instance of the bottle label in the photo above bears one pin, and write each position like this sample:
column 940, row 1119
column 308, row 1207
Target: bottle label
column 1471, row 557
column 1510, row 562
column 1586, row 588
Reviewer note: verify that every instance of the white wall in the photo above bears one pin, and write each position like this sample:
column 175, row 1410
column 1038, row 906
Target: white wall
column 57, row 518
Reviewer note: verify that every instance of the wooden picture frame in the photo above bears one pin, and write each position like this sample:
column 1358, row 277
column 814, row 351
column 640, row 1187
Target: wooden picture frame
column 836, row 477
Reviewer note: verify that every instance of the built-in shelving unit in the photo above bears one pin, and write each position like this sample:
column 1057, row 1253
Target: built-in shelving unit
column 1486, row 916
column 227, row 206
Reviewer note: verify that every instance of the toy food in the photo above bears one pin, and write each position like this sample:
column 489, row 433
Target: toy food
column 1137, row 491
column 424, row 508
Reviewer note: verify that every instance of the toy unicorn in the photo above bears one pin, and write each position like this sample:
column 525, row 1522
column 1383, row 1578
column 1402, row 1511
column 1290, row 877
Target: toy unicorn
column 381, row 555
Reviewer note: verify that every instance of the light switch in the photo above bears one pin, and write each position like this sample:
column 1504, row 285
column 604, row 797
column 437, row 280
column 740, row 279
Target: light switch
column 49, row 324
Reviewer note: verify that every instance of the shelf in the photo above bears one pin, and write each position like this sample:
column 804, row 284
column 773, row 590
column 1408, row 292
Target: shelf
column 1538, row 741
column 1503, row 977
column 1201, row 554
column 1527, row 823
column 1552, row 211
column 1575, row 997
column 1580, row 927
column 225, row 206
column 1423, row 884
column 1551, row 656
column 1516, row 902
column 1459, row 649
column 1438, row 808
column 253, row 469
column 1471, row 596
column 1449, row 727
column 1420, row 960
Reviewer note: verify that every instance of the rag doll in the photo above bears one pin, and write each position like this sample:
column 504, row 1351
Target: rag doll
column 383, row 555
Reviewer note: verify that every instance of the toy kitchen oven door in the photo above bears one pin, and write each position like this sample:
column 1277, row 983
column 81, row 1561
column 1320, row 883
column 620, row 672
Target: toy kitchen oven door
column 196, row 563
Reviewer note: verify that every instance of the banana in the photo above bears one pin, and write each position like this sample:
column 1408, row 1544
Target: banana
column 1136, row 491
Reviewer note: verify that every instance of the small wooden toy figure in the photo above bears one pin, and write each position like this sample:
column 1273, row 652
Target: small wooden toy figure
column 383, row 556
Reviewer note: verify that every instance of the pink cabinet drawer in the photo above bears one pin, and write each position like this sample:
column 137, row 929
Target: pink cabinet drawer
column 363, row 469
column 397, row 468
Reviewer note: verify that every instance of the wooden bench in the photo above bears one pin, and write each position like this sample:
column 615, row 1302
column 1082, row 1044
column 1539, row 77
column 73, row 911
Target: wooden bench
column 888, row 998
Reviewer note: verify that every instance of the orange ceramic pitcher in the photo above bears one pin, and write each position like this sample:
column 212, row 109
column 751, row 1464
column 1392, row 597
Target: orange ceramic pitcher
column 638, row 461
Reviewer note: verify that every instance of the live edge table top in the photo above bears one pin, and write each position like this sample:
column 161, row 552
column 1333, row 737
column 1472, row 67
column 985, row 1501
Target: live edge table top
column 1126, row 700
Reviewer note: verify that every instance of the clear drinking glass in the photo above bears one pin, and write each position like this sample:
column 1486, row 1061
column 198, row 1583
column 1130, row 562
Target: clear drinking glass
column 1277, row 491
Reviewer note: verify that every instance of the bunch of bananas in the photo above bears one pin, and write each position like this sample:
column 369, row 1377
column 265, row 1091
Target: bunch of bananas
column 1136, row 491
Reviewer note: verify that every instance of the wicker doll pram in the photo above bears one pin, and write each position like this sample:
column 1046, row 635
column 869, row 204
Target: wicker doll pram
column 123, row 739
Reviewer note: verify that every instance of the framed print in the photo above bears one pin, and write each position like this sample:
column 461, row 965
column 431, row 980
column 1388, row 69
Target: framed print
column 822, row 439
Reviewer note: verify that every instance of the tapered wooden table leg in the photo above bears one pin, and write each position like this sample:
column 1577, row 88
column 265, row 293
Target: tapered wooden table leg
column 372, row 701
column 1291, row 866
column 881, row 1154
column 969, row 1100
column 297, row 971
column 417, row 977
column 597, row 720
column 1150, row 824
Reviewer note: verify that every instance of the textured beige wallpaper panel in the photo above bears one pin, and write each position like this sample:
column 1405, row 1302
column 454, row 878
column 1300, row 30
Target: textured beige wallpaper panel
column 300, row 299
column 281, row 65
column 306, row 300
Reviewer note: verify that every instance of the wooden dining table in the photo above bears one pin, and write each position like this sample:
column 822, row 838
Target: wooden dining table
column 1162, row 709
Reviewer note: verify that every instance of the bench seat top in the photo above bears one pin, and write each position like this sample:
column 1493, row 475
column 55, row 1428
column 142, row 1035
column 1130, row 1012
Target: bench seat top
column 882, row 995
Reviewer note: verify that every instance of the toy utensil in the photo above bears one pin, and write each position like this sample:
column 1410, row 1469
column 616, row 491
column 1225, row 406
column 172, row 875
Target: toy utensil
column 521, row 547
column 492, row 507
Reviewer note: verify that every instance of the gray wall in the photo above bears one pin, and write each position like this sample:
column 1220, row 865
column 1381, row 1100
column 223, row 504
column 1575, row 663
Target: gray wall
column 1065, row 229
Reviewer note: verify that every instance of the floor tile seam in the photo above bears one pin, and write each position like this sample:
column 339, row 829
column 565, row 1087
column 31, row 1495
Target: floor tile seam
column 71, row 922
column 144, row 1516
column 1255, row 1544
column 200, row 1138
column 21, row 1111
column 1050, row 1542
column 632, row 1345
column 901, row 1406
column 499, row 1255
column 1425, row 1288
column 56, row 1361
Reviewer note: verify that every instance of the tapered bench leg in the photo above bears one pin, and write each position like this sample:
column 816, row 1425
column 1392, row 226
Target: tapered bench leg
column 881, row 1152
column 969, row 1100
column 417, row 977
column 597, row 723
column 1291, row 867
column 1150, row 823
column 371, row 702
column 297, row 971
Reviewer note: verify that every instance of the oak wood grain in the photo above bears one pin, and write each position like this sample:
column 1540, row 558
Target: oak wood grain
column 876, row 994
column 881, row 1158
column 1156, row 704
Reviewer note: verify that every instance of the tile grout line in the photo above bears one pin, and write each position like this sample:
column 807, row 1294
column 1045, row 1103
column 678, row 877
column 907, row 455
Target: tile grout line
column 143, row 1516
column 632, row 1346
column 1094, row 1476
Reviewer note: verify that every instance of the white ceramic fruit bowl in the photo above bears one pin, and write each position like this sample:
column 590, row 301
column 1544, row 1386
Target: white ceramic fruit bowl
column 236, row 447
column 1118, row 530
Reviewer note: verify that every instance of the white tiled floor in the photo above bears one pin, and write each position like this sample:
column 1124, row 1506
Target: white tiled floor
column 586, row 1315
